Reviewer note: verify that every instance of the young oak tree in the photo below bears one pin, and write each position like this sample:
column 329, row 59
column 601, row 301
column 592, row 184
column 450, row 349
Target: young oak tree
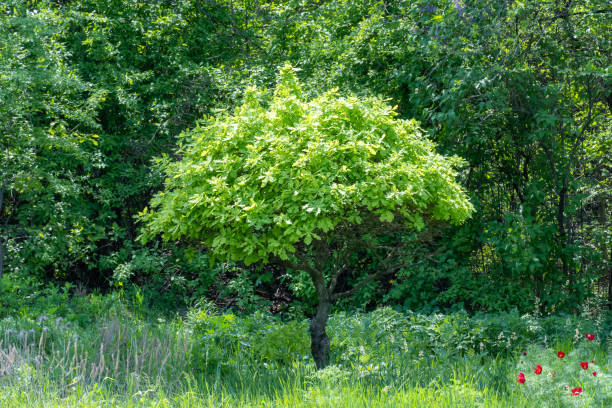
column 305, row 183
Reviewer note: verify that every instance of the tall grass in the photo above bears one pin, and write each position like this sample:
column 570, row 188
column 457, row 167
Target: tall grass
column 380, row 359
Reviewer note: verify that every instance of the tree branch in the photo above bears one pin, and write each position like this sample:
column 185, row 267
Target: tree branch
column 387, row 271
column 317, row 276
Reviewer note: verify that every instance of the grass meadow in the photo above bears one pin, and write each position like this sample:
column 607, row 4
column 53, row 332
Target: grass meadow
column 126, row 357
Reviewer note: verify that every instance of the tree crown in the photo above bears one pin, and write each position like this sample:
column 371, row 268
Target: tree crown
column 281, row 171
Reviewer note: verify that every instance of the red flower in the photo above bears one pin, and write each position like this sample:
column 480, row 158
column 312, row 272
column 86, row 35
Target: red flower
column 521, row 378
column 576, row 391
column 524, row 353
column 590, row 337
column 584, row 365
column 560, row 354
column 594, row 373
column 538, row 369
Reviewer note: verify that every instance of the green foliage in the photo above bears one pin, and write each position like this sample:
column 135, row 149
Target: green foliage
column 169, row 276
column 371, row 336
column 223, row 340
column 518, row 89
column 560, row 375
column 92, row 90
column 217, row 338
column 267, row 177
column 48, row 146
column 242, row 289
column 284, row 344
column 120, row 357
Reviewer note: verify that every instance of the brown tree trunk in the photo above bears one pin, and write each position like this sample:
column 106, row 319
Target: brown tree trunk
column 319, row 342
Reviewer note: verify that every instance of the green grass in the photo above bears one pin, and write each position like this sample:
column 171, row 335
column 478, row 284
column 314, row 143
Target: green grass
column 379, row 359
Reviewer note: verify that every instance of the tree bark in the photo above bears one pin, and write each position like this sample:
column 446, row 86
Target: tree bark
column 319, row 342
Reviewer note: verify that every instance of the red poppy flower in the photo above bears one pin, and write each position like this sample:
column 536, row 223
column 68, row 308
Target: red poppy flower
column 538, row 369
column 590, row 337
column 594, row 373
column 560, row 354
column 524, row 353
column 584, row 365
column 521, row 378
column 576, row 391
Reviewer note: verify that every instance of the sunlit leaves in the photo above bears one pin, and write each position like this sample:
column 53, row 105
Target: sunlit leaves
column 260, row 180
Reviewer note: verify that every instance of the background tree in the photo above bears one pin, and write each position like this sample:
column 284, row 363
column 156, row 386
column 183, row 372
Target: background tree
column 521, row 90
column 48, row 147
column 306, row 184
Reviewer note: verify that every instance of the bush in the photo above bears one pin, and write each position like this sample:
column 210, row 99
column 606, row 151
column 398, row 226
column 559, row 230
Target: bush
column 285, row 343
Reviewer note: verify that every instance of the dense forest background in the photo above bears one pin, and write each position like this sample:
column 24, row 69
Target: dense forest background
column 94, row 93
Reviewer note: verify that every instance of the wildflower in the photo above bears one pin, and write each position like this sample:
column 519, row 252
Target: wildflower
column 524, row 353
column 560, row 354
column 584, row 365
column 538, row 369
column 576, row 391
column 521, row 378
column 590, row 337
column 594, row 373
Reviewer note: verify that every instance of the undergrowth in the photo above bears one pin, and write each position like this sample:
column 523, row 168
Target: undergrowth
column 128, row 357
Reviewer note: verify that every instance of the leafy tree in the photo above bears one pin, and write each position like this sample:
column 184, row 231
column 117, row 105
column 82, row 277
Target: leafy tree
column 306, row 183
column 521, row 90
column 89, row 91
column 48, row 146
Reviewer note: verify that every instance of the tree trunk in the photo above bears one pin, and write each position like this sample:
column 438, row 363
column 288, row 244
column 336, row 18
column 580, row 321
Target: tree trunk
column 319, row 342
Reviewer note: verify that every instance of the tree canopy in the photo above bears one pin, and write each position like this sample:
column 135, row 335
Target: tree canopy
column 275, row 173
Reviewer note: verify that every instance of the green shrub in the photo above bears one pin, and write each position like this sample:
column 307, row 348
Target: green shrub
column 284, row 343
